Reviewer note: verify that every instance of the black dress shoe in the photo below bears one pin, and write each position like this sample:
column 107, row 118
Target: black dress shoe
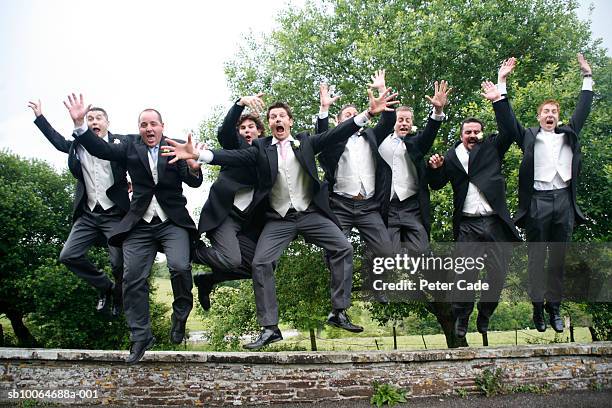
column 205, row 285
column 339, row 318
column 461, row 326
column 105, row 301
column 482, row 323
column 267, row 336
column 137, row 350
column 538, row 316
column 177, row 332
column 554, row 313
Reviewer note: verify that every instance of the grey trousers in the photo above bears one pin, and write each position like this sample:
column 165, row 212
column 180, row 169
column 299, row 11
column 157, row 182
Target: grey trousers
column 276, row 237
column 89, row 229
column 139, row 250
column 231, row 252
column 365, row 216
column 484, row 237
column 549, row 227
column 405, row 227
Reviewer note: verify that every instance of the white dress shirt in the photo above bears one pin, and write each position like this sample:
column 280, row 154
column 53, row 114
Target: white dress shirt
column 243, row 198
column 475, row 203
column 292, row 188
column 97, row 175
column 356, row 170
column 404, row 181
column 552, row 160
column 154, row 209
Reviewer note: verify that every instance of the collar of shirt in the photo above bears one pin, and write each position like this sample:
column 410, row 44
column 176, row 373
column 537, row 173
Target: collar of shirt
column 276, row 141
column 461, row 147
column 547, row 133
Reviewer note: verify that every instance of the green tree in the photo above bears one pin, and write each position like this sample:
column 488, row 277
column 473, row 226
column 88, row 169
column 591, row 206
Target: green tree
column 461, row 41
column 47, row 304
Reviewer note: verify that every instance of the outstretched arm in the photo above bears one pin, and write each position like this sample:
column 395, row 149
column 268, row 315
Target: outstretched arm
column 325, row 101
column 190, row 174
column 583, row 107
column 187, row 151
column 505, row 137
column 426, row 138
column 387, row 119
column 58, row 141
column 505, row 69
column 228, row 135
column 383, row 102
column 90, row 141
column 378, row 81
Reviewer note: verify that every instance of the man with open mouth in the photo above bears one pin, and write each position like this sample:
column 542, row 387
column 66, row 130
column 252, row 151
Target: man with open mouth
column 548, row 176
column 404, row 191
column 482, row 226
column 297, row 204
column 228, row 218
column 157, row 217
column 100, row 201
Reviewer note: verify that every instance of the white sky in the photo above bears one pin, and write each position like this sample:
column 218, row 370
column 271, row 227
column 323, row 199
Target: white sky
column 131, row 54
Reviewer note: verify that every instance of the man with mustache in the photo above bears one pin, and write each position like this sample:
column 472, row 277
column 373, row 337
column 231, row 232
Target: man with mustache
column 548, row 176
column 482, row 225
column 100, row 201
column 227, row 217
column 157, row 218
column 298, row 204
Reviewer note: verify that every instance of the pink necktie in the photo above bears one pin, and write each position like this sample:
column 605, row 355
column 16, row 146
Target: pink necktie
column 283, row 149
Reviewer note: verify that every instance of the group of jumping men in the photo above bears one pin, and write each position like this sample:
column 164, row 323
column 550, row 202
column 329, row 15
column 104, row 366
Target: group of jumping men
column 268, row 192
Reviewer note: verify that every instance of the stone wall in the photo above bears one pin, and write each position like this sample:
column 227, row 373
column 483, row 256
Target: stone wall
column 196, row 378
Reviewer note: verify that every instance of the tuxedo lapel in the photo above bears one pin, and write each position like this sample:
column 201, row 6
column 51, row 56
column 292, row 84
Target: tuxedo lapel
column 118, row 172
column 162, row 161
column 472, row 155
column 272, row 160
column 529, row 141
column 143, row 154
column 452, row 156
column 297, row 151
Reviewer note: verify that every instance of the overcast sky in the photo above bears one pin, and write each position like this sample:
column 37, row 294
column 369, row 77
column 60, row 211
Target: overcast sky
column 130, row 54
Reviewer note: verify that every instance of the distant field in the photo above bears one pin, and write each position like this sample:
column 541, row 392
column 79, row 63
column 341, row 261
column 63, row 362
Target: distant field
column 370, row 339
column 164, row 295
column 365, row 342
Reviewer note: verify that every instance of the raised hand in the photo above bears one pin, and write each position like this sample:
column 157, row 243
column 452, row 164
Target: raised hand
column 440, row 98
column 585, row 68
column 254, row 102
column 505, row 69
column 36, row 107
column 325, row 100
column 77, row 109
column 436, row 161
column 490, row 91
column 384, row 102
column 378, row 81
column 180, row 151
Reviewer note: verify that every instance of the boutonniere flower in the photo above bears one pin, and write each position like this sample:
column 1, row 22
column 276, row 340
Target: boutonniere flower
column 479, row 135
column 116, row 141
column 295, row 144
column 414, row 129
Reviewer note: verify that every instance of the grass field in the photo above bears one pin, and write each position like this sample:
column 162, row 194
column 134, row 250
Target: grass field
column 370, row 341
column 372, row 338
